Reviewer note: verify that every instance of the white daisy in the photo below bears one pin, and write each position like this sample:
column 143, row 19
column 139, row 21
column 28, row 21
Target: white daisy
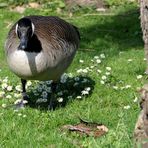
column 87, row 68
column 102, row 56
column 84, row 92
column 44, row 94
column 115, row 87
column 104, row 77
column 39, row 89
column 99, row 71
column 144, row 59
column 79, row 97
column 130, row 60
column 98, row 61
column 64, row 78
column 48, row 89
column 96, row 57
column 44, row 100
column 108, row 68
column 4, row 105
column 127, row 107
column 24, row 116
column 70, row 75
column 8, row 97
column 81, row 61
column 92, row 66
column 9, row 88
column 19, row 114
column 4, row 85
column 79, row 70
column 18, row 88
column 16, row 95
column 29, row 83
column 60, row 99
column 39, row 100
column 107, row 73
column 102, row 82
column 44, row 86
column 49, row 82
column 84, row 80
column 25, row 101
column 5, row 80
column 139, row 76
column 85, row 71
column 87, row 88
column 16, row 110
column 128, row 86
column 135, row 100
column 18, row 101
column 76, row 78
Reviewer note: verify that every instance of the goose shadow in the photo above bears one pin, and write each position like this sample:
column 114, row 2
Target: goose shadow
column 75, row 88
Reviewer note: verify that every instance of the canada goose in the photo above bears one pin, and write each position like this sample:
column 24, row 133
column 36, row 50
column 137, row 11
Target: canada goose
column 41, row 48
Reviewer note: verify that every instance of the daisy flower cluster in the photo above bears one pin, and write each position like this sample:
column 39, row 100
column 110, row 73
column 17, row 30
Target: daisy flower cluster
column 10, row 93
column 69, row 87
column 95, row 62
column 106, row 76
column 96, row 66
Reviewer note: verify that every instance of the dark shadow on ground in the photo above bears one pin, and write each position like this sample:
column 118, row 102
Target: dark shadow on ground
column 69, row 91
column 112, row 33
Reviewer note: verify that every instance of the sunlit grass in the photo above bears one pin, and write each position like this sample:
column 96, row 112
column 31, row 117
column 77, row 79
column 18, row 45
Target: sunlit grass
column 100, row 85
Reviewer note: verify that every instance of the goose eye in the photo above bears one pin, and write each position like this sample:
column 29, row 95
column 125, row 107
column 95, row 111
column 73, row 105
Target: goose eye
column 29, row 32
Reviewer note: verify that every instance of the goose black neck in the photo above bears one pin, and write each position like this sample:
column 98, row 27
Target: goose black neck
column 33, row 45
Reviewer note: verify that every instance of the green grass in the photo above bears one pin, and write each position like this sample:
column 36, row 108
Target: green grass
column 119, row 37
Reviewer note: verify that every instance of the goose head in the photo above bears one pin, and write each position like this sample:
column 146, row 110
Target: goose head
column 24, row 30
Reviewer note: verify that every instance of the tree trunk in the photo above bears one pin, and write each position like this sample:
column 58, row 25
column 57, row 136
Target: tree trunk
column 144, row 26
column 141, row 128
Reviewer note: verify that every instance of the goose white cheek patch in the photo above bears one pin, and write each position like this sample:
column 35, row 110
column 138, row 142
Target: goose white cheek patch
column 16, row 28
column 32, row 25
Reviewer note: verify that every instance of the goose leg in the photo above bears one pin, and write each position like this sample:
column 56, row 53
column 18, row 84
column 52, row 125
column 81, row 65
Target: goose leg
column 51, row 101
column 24, row 95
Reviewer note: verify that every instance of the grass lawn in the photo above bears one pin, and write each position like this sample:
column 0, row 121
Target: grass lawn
column 109, row 59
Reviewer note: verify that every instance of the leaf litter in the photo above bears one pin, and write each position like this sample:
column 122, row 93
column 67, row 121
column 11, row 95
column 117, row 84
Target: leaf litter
column 87, row 128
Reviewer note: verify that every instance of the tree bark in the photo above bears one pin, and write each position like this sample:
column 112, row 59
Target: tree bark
column 144, row 26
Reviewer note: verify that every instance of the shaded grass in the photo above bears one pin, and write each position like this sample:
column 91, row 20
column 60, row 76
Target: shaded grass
column 100, row 34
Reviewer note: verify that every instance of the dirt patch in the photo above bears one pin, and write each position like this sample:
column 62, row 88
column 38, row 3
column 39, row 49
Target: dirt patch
column 85, row 3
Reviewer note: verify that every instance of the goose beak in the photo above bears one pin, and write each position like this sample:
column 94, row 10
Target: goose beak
column 23, row 43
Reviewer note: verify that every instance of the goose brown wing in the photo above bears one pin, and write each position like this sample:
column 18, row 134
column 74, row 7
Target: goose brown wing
column 12, row 41
column 53, row 28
